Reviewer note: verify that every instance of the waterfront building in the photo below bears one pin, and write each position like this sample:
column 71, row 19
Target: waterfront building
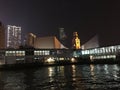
column 92, row 43
column 30, row 39
column 2, row 36
column 13, row 36
column 75, row 41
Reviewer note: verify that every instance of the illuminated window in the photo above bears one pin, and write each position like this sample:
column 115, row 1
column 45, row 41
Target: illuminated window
column 40, row 52
column 34, row 52
column 46, row 52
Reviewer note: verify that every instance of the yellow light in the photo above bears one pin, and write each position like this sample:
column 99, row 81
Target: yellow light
column 49, row 60
column 91, row 57
column 72, row 59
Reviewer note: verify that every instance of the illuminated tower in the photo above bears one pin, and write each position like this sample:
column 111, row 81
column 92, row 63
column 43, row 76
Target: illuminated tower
column 75, row 41
column 2, row 36
column 13, row 37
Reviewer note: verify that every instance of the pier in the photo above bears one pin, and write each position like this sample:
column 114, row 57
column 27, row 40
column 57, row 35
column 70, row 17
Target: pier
column 39, row 57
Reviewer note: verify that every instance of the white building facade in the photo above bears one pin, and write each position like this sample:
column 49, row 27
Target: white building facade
column 13, row 36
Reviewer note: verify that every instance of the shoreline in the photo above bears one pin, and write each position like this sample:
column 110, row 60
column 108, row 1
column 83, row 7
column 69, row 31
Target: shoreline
column 37, row 65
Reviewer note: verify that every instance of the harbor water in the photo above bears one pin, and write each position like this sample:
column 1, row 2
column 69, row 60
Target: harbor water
column 68, row 77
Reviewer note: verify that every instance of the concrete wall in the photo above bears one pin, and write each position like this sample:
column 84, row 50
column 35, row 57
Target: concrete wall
column 10, row 60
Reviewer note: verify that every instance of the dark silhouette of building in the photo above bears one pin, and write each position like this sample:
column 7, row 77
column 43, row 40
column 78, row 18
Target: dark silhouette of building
column 62, row 36
column 2, row 36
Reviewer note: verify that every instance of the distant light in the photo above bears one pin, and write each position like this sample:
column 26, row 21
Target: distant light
column 49, row 60
column 91, row 57
column 73, row 60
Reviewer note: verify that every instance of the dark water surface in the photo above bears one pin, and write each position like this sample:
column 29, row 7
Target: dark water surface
column 70, row 77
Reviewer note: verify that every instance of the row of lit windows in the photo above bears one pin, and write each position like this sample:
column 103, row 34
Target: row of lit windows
column 103, row 57
column 44, row 52
column 15, row 53
column 22, row 53
column 103, row 50
column 61, row 58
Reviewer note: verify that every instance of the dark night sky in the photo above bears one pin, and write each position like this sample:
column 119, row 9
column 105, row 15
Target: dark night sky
column 44, row 17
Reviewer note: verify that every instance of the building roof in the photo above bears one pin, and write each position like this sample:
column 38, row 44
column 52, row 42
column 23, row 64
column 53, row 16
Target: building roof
column 49, row 42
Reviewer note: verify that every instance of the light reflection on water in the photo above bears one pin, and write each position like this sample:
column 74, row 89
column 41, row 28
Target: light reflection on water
column 69, row 77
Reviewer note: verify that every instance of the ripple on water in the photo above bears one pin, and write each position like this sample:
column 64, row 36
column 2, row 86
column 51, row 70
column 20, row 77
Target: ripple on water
column 71, row 77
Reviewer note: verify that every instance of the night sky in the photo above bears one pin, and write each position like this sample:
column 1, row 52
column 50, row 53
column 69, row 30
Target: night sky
column 44, row 17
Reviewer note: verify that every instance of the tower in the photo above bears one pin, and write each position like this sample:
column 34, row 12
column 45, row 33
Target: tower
column 13, row 36
column 75, row 41
column 62, row 36
column 2, row 36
